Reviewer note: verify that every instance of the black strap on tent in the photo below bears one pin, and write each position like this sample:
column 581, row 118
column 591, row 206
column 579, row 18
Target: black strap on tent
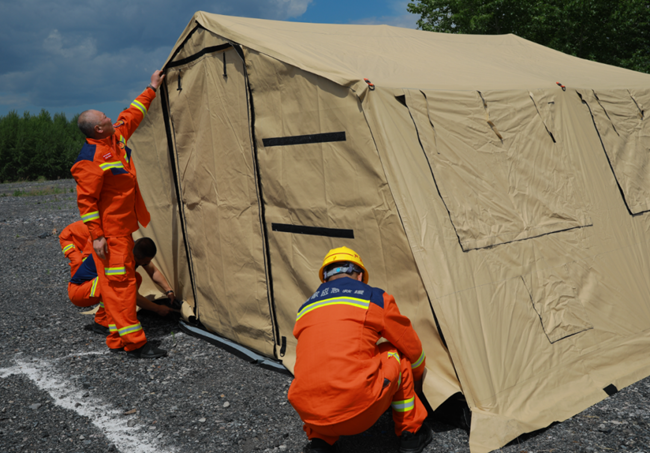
column 611, row 389
column 313, row 231
column 305, row 139
column 225, row 74
column 180, row 74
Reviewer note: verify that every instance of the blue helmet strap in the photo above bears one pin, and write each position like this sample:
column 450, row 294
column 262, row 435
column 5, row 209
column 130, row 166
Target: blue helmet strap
column 344, row 268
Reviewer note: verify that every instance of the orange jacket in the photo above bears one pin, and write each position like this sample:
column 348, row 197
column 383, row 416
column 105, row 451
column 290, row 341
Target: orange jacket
column 75, row 244
column 108, row 195
column 338, row 370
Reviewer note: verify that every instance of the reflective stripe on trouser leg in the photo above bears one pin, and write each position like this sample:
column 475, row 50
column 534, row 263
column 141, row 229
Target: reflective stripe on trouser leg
column 80, row 294
column 408, row 411
column 118, row 289
column 404, row 405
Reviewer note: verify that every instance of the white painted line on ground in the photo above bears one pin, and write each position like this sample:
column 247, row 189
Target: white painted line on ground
column 104, row 416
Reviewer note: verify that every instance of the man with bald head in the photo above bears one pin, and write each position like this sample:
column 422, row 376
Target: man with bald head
column 111, row 207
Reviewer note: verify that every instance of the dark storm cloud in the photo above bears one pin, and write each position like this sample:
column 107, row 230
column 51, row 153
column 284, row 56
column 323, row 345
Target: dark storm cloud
column 58, row 53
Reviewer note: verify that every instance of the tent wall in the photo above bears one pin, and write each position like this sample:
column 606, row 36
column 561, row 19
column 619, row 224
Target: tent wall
column 325, row 191
column 209, row 118
column 154, row 165
column 534, row 326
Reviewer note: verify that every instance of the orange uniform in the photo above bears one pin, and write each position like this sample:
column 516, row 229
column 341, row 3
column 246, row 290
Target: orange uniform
column 344, row 381
column 76, row 246
column 111, row 205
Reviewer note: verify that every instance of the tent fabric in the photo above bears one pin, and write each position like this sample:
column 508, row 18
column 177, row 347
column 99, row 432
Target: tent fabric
column 499, row 184
column 506, row 213
column 621, row 119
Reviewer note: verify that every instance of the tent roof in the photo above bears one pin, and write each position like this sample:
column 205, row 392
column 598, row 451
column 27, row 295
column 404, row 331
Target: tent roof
column 404, row 58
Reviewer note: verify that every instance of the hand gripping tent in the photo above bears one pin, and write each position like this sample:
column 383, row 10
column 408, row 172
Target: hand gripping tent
column 499, row 189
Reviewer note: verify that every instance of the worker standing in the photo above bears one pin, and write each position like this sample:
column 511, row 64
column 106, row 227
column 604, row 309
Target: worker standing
column 111, row 206
column 344, row 381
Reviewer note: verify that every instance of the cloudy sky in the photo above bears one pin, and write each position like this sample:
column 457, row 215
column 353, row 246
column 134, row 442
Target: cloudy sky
column 71, row 55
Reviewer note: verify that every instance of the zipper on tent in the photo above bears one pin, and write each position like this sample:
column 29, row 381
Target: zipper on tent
column 258, row 187
column 173, row 160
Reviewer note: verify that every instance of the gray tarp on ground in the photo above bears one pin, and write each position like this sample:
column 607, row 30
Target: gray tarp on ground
column 473, row 186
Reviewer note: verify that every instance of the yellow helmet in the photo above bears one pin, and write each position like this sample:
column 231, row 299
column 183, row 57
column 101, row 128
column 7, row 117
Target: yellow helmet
column 343, row 254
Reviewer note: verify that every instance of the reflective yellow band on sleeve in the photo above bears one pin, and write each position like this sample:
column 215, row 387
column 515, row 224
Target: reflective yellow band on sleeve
column 129, row 329
column 110, row 165
column 101, row 304
column 394, row 354
column 90, row 216
column 68, row 247
column 112, row 328
column 419, row 361
column 404, row 405
column 140, row 106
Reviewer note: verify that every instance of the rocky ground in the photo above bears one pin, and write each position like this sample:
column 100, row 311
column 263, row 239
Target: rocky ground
column 60, row 391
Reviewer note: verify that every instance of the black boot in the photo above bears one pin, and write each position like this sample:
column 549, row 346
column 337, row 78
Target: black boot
column 148, row 351
column 415, row 443
column 97, row 328
column 318, row 446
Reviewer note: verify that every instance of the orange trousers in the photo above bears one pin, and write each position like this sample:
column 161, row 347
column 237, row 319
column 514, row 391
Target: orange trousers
column 88, row 294
column 118, row 286
column 408, row 411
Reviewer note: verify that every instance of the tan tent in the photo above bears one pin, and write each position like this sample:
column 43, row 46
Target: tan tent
column 499, row 189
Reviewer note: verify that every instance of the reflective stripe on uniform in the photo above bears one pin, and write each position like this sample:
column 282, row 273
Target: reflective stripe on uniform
column 123, row 141
column 359, row 303
column 101, row 304
column 112, row 328
column 90, row 216
column 94, row 288
column 419, row 361
column 68, row 247
column 84, row 259
column 404, row 405
column 129, row 329
column 114, row 270
column 394, row 354
column 140, row 106
column 110, row 165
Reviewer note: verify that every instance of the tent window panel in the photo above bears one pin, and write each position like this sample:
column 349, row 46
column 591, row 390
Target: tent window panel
column 556, row 295
column 497, row 166
column 622, row 118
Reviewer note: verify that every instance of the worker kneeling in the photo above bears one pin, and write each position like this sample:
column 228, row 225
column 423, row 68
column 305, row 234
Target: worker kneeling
column 83, row 288
column 344, row 381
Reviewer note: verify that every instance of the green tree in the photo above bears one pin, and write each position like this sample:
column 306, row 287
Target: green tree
column 611, row 32
column 38, row 146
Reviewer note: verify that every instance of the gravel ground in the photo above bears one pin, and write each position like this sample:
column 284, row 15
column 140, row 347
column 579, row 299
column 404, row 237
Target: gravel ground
column 60, row 391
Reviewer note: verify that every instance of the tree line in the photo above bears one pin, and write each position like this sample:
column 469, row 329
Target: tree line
column 38, row 146
column 607, row 31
